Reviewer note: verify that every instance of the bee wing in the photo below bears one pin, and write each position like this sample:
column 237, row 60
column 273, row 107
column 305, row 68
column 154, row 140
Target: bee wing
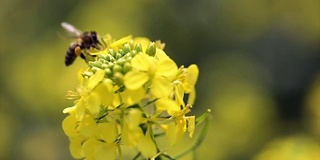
column 73, row 31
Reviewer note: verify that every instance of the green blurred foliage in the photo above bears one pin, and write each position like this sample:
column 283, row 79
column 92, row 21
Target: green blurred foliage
column 254, row 58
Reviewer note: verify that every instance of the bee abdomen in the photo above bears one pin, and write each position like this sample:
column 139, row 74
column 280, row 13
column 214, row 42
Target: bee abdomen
column 71, row 54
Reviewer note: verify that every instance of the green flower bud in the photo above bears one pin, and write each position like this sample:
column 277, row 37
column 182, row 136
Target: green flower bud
column 126, row 67
column 103, row 56
column 119, row 55
column 112, row 59
column 131, row 44
column 95, row 69
column 128, row 59
column 118, row 78
column 151, row 50
column 138, row 47
column 102, row 61
column 104, row 66
column 95, row 64
column 87, row 74
column 133, row 53
column 126, row 48
column 116, row 68
column 121, row 61
column 121, row 52
column 127, row 55
column 112, row 52
column 110, row 64
column 108, row 72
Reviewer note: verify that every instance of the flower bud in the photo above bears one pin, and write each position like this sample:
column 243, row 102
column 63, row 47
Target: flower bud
column 151, row 50
column 116, row 68
column 138, row 47
column 118, row 78
column 126, row 48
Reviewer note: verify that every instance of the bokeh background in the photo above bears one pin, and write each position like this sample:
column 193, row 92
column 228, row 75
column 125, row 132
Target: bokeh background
column 259, row 71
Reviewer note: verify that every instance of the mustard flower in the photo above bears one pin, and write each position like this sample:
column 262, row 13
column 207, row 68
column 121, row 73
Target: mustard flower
column 130, row 94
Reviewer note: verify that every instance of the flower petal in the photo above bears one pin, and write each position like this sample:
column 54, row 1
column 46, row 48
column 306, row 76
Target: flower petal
column 192, row 77
column 87, row 126
column 69, row 125
column 106, row 131
column 93, row 103
column 133, row 96
column 141, row 62
column 105, row 151
column 135, row 79
column 95, row 79
column 191, row 125
column 146, row 146
column 161, row 87
column 165, row 104
column 75, row 147
column 166, row 66
column 105, row 91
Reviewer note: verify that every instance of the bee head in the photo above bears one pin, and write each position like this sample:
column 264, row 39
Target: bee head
column 95, row 40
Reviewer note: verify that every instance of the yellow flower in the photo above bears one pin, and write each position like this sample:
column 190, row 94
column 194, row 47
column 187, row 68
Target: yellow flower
column 156, row 70
column 130, row 90
column 88, row 100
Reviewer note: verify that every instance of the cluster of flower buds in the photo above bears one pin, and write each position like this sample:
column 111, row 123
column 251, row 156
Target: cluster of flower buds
column 131, row 93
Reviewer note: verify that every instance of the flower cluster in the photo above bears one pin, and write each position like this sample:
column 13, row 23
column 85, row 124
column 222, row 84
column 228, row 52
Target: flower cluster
column 131, row 93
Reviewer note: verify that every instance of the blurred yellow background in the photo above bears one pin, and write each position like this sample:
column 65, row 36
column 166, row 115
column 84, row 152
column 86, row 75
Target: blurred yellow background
column 259, row 71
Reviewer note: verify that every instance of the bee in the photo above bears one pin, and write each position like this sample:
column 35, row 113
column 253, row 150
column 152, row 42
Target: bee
column 83, row 41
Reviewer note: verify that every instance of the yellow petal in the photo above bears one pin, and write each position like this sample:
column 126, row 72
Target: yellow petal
column 193, row 71
column 171, row 134
column 146, row 146
column 161, row 55
column 105, row 151
column 79, row 74
column 191, row 125
column 181, row 127
column 105, row 91
column 166, row 66
column 95, row 79
column 161, row 87
column 69, row 109
column 106, row 131
column 69, row 125
column 121, row 41
column 75, row 147
column 89, row 148
column 93, row 103
column 192, row 96
column 141, row 62
column 165, row 104
column 135, row 79
column 192, row 77
column 87, row 126
column 80, row 108
column 133, row 96
column 179, row 93
column 130, row 136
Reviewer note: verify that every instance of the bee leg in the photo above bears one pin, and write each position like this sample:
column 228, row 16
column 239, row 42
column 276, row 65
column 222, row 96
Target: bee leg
column 78, row 51
column 104, row 44
column 82, row 56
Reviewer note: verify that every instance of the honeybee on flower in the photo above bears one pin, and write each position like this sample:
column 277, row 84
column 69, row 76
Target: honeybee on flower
column 129, row 95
